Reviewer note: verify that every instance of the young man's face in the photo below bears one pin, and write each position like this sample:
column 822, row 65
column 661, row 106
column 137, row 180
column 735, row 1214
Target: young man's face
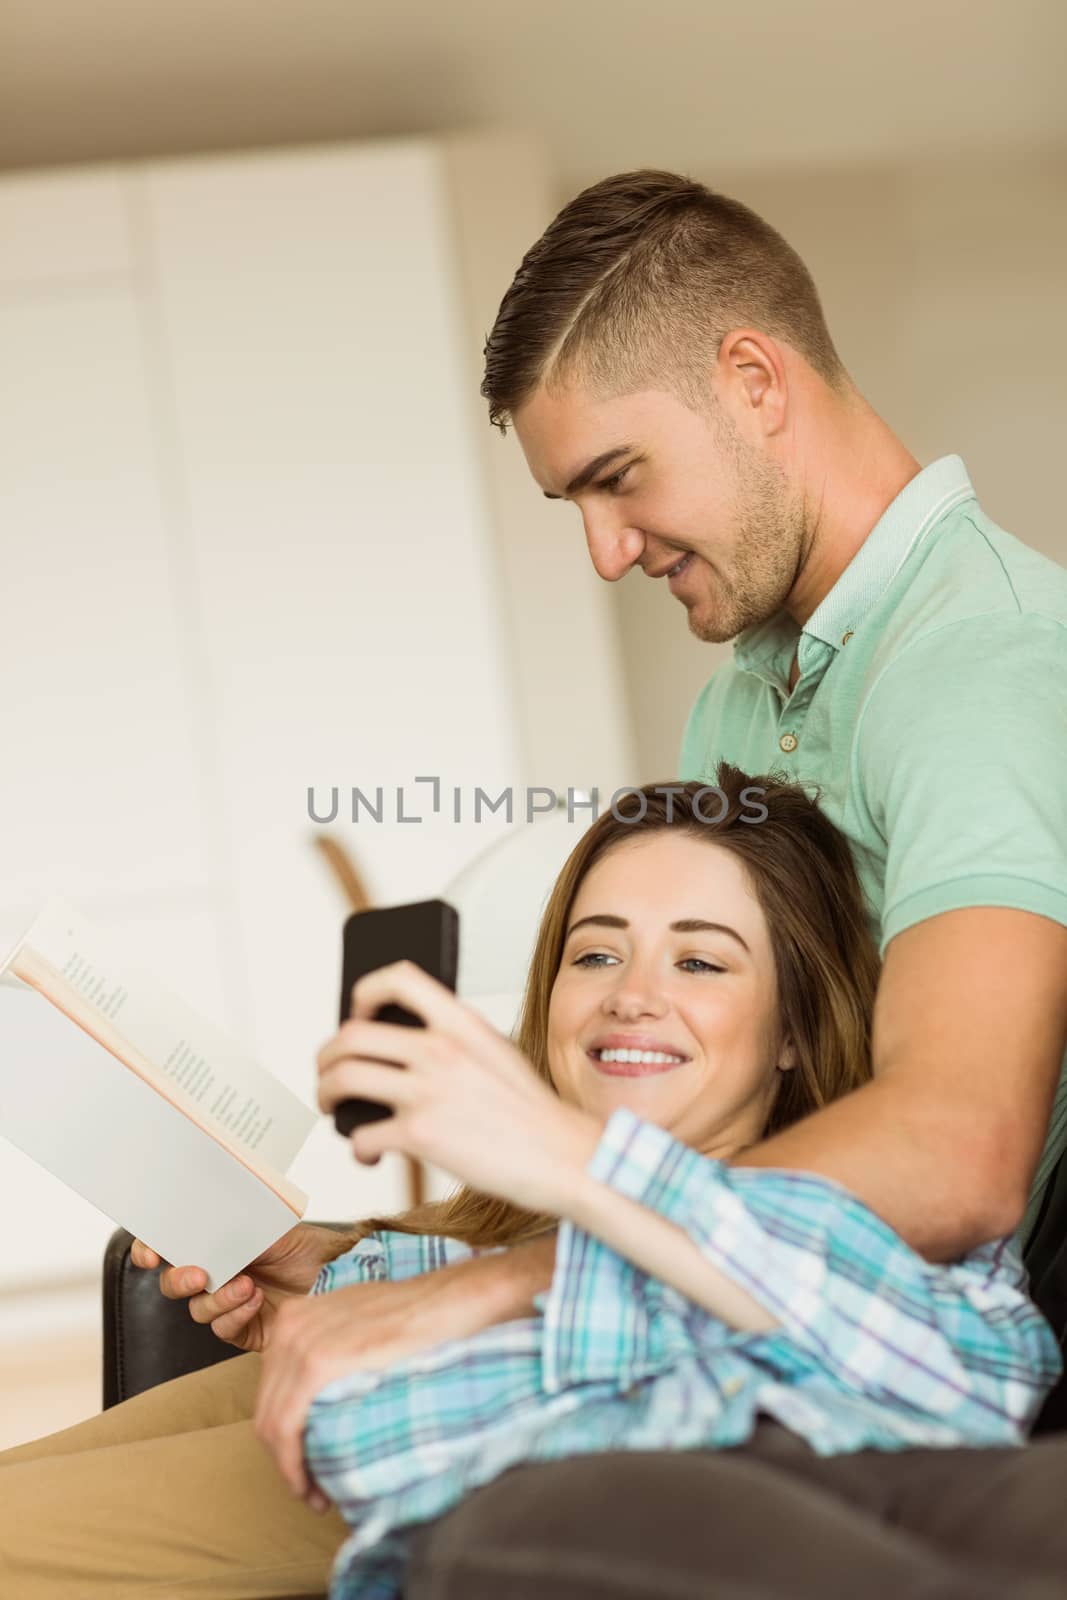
column 689, row 487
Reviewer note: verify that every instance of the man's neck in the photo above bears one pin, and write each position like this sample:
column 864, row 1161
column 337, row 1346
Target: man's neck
column 857, row 468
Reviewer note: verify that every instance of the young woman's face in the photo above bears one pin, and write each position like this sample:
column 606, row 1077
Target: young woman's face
column 705, row 994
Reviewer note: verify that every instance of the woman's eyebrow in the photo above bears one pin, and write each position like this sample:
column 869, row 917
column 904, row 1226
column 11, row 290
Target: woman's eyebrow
column 604, row 919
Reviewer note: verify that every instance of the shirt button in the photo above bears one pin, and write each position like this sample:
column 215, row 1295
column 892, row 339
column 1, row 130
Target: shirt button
column 788, row 742
column 845, row 637
column 732, row 1386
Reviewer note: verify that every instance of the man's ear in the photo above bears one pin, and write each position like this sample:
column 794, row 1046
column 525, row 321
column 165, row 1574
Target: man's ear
column 751, row 363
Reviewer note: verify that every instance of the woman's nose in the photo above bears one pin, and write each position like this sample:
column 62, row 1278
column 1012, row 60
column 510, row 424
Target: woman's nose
column 635, row 993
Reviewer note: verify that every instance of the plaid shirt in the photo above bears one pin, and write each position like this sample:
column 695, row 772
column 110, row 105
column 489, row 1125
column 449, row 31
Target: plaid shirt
column 875, row 1347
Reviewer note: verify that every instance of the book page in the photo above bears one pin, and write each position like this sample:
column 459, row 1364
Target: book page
column 66, row 1102
column 228, row 1089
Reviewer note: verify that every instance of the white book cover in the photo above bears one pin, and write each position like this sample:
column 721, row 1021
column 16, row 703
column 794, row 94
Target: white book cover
column 147, row 1110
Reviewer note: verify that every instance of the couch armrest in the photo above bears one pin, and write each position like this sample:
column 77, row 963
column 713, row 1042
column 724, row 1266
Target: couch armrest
column 149, row 1339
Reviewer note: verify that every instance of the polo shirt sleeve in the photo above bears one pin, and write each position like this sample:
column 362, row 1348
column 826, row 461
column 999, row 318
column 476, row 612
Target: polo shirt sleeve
column 962, row 761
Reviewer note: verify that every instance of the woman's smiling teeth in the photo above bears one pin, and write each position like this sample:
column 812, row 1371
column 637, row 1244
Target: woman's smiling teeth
column 635, row 1055
column 630, row 1063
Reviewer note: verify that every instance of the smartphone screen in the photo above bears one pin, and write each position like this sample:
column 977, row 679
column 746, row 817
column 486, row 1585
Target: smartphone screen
column 426, row 932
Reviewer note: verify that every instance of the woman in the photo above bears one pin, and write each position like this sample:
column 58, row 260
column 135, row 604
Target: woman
column 703, row 976
column 688, row 1295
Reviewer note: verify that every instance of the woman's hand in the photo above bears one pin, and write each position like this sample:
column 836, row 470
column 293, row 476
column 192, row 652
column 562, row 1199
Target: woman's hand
column 242, row 1311
column 465, row 1098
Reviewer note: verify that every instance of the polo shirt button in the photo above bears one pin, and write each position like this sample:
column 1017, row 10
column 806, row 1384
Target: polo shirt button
column 847, row 636
column 788, row 742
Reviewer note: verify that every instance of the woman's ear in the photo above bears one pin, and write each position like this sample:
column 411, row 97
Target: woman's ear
column 787, row 1056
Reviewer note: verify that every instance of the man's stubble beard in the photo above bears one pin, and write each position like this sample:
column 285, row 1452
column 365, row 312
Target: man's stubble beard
column 768, row 548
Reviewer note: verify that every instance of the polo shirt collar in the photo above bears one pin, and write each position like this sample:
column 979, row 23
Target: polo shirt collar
column 897, row 534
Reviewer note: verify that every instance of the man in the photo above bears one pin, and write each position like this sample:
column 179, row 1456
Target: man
column 663, row 357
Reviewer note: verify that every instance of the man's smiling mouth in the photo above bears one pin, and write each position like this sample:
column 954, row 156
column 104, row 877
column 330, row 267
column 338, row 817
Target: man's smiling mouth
column 678, row 572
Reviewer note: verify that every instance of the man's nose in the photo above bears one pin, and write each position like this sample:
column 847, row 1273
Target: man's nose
column 613, row 547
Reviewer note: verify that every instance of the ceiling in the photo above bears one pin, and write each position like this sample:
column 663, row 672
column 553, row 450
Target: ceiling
column 609, row 84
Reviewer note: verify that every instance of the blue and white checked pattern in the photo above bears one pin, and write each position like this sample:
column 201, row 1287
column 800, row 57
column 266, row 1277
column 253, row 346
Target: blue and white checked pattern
column 875, row 1347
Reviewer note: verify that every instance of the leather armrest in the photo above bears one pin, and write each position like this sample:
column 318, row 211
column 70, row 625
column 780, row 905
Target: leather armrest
column 149, row 1339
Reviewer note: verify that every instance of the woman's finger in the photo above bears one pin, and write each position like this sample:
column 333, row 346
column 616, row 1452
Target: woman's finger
column 405, row 983
column 230, row 1324
column 393, row 1086
column 374, row 1139
column 375, row 988
column 177, row 1283
column 206, row 1307
column 379, row 1041
column 142, row 1256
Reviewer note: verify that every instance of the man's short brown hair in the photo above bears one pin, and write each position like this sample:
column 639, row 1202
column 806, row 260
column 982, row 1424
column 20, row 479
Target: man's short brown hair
column 635, row 284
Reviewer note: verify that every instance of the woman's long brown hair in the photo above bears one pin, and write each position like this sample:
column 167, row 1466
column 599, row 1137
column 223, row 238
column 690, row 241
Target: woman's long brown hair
column 802, row 873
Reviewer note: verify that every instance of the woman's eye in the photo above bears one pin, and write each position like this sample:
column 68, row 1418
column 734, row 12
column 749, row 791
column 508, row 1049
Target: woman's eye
column 597, row 956
column 612, row 483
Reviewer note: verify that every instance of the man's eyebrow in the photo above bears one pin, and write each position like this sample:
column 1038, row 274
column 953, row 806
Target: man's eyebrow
column 604, row 919
column 591, row 469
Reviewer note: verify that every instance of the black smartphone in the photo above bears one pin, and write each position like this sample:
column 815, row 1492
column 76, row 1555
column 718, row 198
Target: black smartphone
column 426, row 932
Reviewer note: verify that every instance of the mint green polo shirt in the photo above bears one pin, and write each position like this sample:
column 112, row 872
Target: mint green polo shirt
column 931, row 709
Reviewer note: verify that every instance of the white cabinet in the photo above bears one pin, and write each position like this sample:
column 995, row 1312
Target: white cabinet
column 255, row 537
column 100, row 788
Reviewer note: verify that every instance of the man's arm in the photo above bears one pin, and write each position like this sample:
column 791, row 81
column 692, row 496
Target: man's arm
column 507, row 1281
column 969, row 1028
column 501, row 1285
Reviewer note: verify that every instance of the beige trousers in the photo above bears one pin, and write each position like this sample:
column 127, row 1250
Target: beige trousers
column 169, row 1494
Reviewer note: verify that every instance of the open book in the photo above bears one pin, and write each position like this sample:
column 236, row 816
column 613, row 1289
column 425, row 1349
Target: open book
column 147, row 1110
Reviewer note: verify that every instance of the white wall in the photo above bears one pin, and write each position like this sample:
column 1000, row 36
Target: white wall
column 253, row 541
column 102, row 794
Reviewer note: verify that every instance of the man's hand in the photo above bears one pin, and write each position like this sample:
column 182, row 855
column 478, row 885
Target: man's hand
column 368, row 1326
column 243, row 1311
